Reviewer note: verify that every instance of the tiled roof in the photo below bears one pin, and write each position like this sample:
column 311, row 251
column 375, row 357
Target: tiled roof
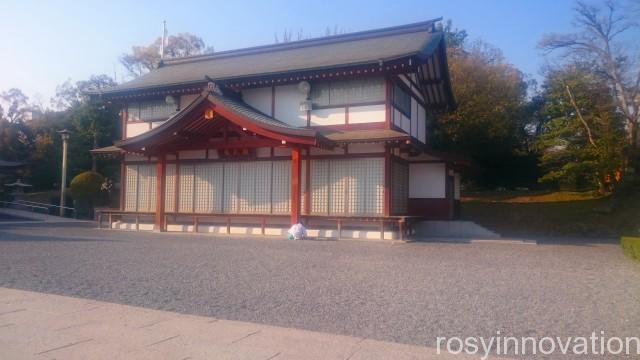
column 361, row 48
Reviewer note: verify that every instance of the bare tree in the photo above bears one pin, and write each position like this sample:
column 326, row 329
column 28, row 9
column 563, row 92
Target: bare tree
column 600, row 41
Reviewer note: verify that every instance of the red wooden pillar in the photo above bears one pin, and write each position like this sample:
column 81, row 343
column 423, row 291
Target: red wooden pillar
column 161, row 172
column 296, row 162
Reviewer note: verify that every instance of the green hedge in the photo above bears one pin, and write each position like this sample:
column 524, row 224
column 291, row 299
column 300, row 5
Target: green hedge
column 631, row 246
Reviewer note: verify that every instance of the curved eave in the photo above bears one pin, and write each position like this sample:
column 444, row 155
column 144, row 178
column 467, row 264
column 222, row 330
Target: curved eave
column 233, row 111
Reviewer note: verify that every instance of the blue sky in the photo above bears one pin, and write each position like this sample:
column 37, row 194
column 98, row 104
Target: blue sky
column 47, row 42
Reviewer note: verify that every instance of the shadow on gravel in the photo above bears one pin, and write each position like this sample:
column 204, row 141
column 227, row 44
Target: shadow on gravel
column 523, row 241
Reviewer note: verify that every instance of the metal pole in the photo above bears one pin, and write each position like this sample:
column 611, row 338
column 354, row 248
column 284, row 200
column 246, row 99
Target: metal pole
column 63, row 184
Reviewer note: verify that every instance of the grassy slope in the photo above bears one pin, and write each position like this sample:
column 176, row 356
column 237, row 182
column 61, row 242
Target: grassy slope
column 553, row 214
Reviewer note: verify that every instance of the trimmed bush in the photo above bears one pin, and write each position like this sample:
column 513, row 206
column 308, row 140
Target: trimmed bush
column 631, row 246
column 86, row 185
column 85, row 190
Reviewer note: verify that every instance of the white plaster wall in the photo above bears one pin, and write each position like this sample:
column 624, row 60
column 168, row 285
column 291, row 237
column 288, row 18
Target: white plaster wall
column 422, row 124
column 406, row 124
column 366, row 114
column 135, row 129
column 263, row 152
column 155, row 124
column 135, row 157
column 414, row 117
column 365, row 148
column 336, row 151
column 185, row 100
column 397, row 117
column 213, row 154
column 287, row 105
column 427, row 180
column 333, row 116
column 259, row 98
column 192, row 154
column 281, row 151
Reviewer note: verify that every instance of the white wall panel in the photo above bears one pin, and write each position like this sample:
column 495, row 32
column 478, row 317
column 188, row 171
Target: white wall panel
column 397, row 118
column 366, row 148
column 135, row 129
column 287, row 105
column 281, row 151
column 406, row 124
column 192, row 154
column 414, row 117
column 333, row 116
column 185, row 100
column 259, row 98
column 366, row 114
column 422, row 124
column 427, row 180
column 263, row 152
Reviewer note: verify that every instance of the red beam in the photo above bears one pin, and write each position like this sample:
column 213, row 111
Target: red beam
column 296, row 160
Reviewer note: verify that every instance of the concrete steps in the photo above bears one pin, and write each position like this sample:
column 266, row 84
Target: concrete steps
column 452, row 229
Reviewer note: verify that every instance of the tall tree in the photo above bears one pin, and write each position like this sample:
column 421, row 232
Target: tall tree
column 15, row 136
column 490, row 94
column 94, row 122
column 582, row 142
column 143, row 59
column 600, row 40
column 69, row 95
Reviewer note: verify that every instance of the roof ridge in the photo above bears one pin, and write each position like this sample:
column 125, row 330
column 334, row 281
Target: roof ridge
column 381, row 32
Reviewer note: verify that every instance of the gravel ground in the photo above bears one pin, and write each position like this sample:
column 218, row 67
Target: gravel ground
column 407, row 293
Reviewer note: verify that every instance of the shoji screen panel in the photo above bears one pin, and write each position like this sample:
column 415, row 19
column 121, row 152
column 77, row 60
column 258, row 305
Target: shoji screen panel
column 347, row 187
column 186, row 188
column 131, row 188
column 281, row 187
column 170, row 188
column 339, row 178
column 231, row 187
column 208, row 182
column 319, row 187
column 262, row 187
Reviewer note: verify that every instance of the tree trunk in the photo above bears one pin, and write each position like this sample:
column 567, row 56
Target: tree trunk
column 94, row 165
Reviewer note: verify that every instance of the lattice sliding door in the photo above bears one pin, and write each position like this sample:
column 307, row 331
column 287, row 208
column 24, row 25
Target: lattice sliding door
column 208, row 180
column 170, row 188
column 347, row 187
column 187, row 180
column 131, row 188
column 231, row 187
column 140, row 188
column 281, row 187
column 319, row 187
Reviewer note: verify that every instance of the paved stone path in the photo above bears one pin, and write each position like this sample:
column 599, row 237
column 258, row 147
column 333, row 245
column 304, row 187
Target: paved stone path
column 42, row 326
